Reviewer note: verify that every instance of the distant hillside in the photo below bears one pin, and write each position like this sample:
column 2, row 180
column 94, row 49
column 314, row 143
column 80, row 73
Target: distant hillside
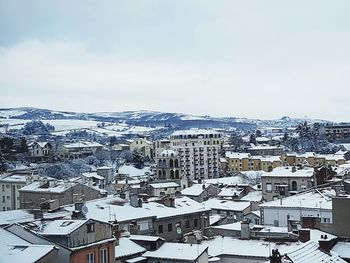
column 149, row 118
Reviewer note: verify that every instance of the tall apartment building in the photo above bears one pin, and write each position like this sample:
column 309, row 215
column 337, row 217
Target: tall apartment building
column 199, row 152
column 336, row 132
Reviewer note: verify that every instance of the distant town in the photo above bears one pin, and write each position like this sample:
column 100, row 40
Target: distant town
column 154, row 187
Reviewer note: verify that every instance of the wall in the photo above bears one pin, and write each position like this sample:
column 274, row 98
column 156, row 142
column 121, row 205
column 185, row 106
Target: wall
column 81, row 255
column 341, row 215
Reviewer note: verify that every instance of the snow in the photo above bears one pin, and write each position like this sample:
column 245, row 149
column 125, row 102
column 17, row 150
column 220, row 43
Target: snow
column 164, row 185
column 288, row 172
column 233, row 180
column 145, row 238
column 253, row 196
column 194, row 190
column 15, row 216
column 233, row 226
column 14, row 178
column 235, row 155
column 313, row 199
column 310, row 252
column 342, row 249
column 58, row 187
column 60, row 227
column 230, row 192
column 168, row 153
column 177, row 251
column 248, row 248
column 15, row 249
column 127, row 247
column 194, row 132
column 213, row 219
column 132, row 171
column 227, row 205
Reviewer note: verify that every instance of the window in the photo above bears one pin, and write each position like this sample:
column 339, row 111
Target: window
column 104, row 255
column 326, row 220
column 268, row 187
column 160, row 229
column 3, row 187
column 3, row 199
column 170, row 227
column 90, row 257
column 277, row 187
column 187, row 223
column 294, row 186
column 90, row 227
column 195, row 222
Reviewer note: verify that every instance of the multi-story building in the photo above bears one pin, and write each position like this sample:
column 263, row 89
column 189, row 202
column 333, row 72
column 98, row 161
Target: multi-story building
column 336, row 132
column 312, row 159
column 143, row 146
column 40, row 150
column 199, row 152
column 160, row 146
column 265, row 150
column 246, row 162
column 168, row 165
column 9, row 190
column 286, row 181
column 54, row 193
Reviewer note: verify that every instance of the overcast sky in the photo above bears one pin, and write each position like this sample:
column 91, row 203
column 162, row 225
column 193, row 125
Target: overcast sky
column 256, row 59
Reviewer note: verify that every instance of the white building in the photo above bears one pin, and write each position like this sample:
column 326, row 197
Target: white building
column 199, row 152
column 315, row 203
column 9, row 194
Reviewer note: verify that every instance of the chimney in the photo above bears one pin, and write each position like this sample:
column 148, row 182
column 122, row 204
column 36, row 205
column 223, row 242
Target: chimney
column 294, row 169
column 134, row 200
column 304, row 235
column 326, row 244
column 276, row 256
column 78, row 206
column 38, row 214
column 245, row 229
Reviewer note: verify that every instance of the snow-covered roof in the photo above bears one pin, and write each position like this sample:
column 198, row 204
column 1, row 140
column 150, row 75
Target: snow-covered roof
column 247, row 248
column 177, row 251
column 194, row 132
column 58, row 186
column 264, row 147
column 132, row 171
column 253, row 196
column 310, row 252
column 194, row 190
column 145, row 238
column 127, row 247
column 220, row 204
column 14, row 178
column 288, row 172
column 164, row 185
column 268, row 158
column 16, row 249
column 315, row 199
column 113, row 208
column 230, row 192
column 213, row 219
column 60, row 227
column 235, row 155
column 15, row 216
column 342, row 249
column 232, row 180
column 83, row 144
column 93, row 175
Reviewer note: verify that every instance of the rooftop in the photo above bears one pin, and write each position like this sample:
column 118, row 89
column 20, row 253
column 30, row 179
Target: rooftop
column 127, row 247
column 289, row 172
column 177, row 251
column 215, row 203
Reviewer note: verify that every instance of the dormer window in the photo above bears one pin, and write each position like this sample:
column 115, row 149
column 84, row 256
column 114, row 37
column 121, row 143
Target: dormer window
column 91, row 227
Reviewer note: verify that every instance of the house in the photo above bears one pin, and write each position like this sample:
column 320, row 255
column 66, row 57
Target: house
column 265, row 150
column 78, row 149
column 40, row 151
column 201, row 192
column 231, row 249
column 127, row 249
column 143, row 146
column 92, row 178
column 233, row 210
column 54, row 193
column 286, row 181
column 87, row 239
column 9, row 189
column 313, row 203
column 14, row 248
column 178, row 253
column 130, row 171
column 163, row 188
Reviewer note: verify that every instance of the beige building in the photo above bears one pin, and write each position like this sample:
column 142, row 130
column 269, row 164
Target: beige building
column 312, row 159
column 160, row 146
column 246, row 162
column 199, row 152
column 143, row 146
column 40, row 150
column 9, row 190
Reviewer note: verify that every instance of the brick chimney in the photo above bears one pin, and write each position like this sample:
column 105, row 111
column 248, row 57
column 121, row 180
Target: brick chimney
column 326, row 244
column 304, row 235
column 276, row 256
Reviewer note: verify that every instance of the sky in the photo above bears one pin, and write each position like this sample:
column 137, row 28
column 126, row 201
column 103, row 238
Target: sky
column 254, row 59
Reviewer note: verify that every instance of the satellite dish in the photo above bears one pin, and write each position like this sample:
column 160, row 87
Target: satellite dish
column 178, row 230
column 298, row 226
column 251, row 225
column 84, row 210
